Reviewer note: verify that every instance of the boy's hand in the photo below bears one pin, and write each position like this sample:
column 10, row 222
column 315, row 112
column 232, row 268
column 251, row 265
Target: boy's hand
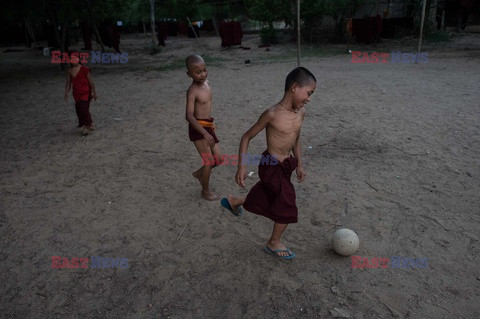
column 209, row 139
column 300, row 174
column 94, row 96
column 241, row 175
column 66, row 96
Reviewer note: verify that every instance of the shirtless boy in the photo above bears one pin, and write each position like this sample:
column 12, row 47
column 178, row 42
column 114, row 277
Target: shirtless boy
column 201, row 129
column 274, row 196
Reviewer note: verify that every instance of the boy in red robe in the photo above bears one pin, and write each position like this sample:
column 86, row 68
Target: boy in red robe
column 78, row 77
column 274, row 196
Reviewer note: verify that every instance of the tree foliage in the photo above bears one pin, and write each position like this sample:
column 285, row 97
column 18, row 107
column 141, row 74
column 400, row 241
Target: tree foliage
column 312, row 12
column 269, row 11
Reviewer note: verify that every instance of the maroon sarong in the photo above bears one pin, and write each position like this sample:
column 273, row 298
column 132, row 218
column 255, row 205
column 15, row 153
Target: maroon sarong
column 274, row 196
column 194, row 135
column 83, row 113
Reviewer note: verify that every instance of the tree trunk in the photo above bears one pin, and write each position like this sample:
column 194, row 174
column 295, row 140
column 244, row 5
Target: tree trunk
column 55, row 29
column 98, row 38
column 421, row 26
column 26, row 38
column 152, row 25
column 298, row 32
column 30, row 31
column 58, row 37
column 432, row 15
column 63, row 41
column 442, row 24
column 215, row 26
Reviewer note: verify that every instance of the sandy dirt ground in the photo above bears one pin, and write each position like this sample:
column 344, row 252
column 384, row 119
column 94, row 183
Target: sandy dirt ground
column 391, row 151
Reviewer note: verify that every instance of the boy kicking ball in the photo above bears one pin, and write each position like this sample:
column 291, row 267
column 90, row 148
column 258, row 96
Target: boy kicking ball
column 274, row 195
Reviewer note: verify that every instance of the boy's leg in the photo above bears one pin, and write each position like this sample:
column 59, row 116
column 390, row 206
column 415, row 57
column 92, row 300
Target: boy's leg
column 215, row 152
column 88, row 116
column 203, row 173
column 235, row 202
column 274, row 243
column 217, row 155
column 79, row 114
column 216, row 158
column 83, row 116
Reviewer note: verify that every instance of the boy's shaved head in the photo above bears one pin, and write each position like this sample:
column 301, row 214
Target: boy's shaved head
column 193, row 59
column 299, row 75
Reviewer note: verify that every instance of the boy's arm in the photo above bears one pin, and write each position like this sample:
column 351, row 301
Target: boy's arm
column 92, row 86
column 193, row 121
column 262, row 122
column 297, row 152
column 68, row 85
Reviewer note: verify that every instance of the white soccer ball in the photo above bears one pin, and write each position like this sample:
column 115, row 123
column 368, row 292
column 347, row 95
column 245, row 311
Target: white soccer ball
column 345, row 242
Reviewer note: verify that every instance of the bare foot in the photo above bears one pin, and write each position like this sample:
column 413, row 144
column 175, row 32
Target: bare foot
column 84, row 130
column 209, row 196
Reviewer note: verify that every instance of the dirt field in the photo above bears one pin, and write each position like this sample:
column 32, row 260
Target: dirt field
column 390, row 150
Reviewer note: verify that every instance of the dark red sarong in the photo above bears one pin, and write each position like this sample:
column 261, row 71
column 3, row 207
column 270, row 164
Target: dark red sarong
column 274, row 195
column 194, row 135
column 83, row 113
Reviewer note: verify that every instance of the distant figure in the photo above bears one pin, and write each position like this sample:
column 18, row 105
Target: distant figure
column 162, row 32
column 466, row 7
column 201, row 129
column 78, row 77
column 113, row 35
column 274, row 195
column 110, row 35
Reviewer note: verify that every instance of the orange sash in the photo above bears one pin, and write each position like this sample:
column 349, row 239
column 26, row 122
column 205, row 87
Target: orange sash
column 207, row 124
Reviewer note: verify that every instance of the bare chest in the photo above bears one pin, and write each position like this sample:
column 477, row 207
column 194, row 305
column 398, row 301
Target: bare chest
column 204, row 96
column 287, row 126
